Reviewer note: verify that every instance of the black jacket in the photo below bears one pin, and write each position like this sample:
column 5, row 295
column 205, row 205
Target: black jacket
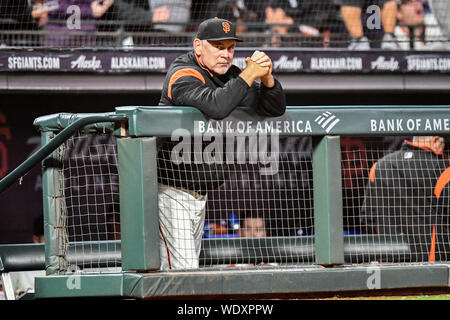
column 407, row 193
column 188, row 83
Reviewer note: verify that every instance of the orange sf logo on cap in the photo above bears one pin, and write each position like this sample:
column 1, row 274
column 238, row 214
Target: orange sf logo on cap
column 226, row 27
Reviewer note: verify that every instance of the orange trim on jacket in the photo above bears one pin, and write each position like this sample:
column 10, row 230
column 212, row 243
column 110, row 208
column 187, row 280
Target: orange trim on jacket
column 444, row 178
column 431, row 257
column 183, row 73
column 372, row 172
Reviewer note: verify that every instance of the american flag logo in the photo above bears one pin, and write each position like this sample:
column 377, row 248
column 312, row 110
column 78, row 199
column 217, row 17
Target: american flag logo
column 327, row 121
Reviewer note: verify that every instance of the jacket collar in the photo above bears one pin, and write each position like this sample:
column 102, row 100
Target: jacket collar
column 197, row 62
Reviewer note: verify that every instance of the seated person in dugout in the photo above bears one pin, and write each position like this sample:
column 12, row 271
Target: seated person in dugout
column 408, row 194
column 206, row 79
column 252, row 227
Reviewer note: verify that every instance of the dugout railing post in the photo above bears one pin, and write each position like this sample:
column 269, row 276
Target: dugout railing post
column 328, row 221
column 139, row 222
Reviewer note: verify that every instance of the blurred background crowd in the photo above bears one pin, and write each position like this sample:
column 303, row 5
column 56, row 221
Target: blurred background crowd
column 351, row 24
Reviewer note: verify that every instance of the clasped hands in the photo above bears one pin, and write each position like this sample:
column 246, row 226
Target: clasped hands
column 259, row 66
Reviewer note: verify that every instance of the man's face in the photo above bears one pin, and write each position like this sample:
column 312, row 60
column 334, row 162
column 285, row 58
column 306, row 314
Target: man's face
column 254, row 228
column 217, row 56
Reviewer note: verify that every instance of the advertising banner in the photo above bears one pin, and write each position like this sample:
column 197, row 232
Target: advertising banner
column 157, row 60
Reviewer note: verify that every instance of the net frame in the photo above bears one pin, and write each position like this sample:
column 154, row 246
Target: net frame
column 70, row 251
column 91, row 191
column 242, row 198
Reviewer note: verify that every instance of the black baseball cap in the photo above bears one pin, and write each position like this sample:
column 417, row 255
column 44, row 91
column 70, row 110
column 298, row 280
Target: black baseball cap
column 217, row 29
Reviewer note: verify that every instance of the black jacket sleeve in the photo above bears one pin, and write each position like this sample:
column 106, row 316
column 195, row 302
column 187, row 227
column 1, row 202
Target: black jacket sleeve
column 272, row 101
column 218, row 103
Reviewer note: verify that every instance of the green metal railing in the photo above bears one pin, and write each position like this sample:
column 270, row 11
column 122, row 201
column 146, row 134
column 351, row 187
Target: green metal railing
column 138, row 179
column 326, row 124
column 73, row 124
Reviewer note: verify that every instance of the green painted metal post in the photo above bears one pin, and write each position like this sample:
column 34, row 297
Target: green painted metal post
column 328, row 218
column 139, row 218
column 52, row 202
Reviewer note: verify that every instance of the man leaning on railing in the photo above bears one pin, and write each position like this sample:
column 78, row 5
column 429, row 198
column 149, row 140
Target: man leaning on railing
column 206, row 79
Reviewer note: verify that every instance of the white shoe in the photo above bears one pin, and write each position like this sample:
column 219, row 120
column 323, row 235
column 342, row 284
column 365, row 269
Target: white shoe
column 128, row 42
column 359, row 44
column 390, row 42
